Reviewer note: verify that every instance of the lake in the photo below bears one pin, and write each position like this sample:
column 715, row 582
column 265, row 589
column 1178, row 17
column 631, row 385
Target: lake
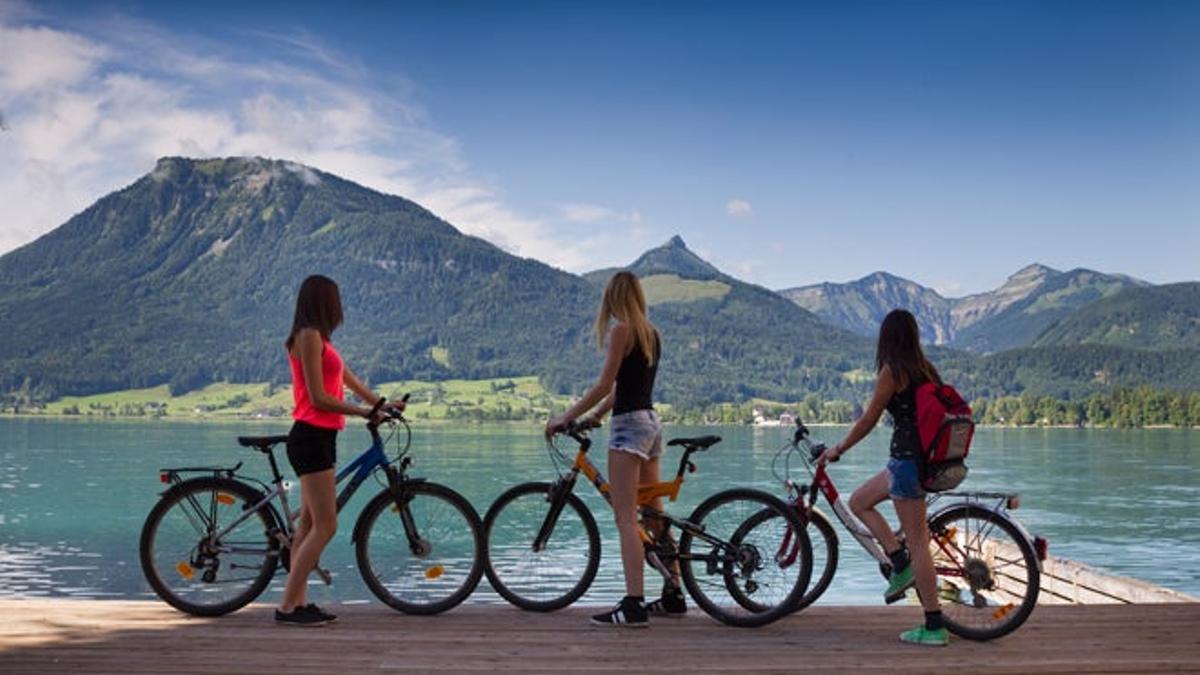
column 74, row 494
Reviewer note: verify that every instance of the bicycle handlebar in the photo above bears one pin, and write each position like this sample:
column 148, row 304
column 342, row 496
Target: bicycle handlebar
column 802, row 437
column 389, row 414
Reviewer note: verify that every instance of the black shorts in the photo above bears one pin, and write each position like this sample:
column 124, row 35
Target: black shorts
column 311, row 449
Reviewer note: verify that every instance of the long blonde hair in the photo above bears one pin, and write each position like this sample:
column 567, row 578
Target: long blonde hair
column 624, row 301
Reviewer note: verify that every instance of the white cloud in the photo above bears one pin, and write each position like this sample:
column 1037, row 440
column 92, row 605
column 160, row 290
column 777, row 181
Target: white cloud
column 593, row 214
column 88, row 112
column 738, row 208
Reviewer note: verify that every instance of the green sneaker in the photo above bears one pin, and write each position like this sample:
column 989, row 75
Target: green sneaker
column 898, row 583
column 923, row 636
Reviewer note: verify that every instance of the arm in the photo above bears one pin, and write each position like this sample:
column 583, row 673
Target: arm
column 618, row 341
column 308, row 347
column 885, row 388
column 606, row 405
column 363, row 392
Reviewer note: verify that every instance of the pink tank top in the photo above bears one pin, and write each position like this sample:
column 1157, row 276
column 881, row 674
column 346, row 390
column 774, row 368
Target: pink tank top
column 331, row 379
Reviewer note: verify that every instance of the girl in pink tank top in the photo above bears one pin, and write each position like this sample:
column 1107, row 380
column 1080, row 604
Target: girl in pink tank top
column 319, row 377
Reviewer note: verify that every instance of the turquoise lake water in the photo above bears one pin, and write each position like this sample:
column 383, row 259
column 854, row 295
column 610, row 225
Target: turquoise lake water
column 74, row 494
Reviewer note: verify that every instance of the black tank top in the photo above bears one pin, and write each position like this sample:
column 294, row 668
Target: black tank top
column 635, row 380
column 906, row 443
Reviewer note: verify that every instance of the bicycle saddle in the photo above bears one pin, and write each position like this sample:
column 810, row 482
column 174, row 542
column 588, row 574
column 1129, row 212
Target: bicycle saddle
column 699, row 443
column 263, row 443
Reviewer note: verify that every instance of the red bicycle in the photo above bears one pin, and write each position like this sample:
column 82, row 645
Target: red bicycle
column 988, row 565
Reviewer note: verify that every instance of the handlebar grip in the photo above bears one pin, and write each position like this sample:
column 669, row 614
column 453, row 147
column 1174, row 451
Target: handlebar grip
column 375, row 408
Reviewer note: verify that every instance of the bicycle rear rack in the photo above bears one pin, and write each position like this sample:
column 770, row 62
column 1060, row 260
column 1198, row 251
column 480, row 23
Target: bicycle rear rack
column 171, row 475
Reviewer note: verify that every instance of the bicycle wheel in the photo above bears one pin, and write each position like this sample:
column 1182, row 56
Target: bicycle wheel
column 824, row 541
column 189, row 559
column 562, row 569
column 727, row 558
column 988, row 575
column 432, row 574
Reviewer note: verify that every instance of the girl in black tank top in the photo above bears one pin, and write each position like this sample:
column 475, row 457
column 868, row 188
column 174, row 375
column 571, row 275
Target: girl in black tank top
column 635, row 380
column 901, row 368
column 626, row 387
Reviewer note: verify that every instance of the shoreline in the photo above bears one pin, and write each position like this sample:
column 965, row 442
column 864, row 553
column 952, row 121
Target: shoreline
column 441, row 421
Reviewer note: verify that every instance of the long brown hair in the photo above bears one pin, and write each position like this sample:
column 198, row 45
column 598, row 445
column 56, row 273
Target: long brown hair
column 624, row 301
column 318, row 306
column 900, row 350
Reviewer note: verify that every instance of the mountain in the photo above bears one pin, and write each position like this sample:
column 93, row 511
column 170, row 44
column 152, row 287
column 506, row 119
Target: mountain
column 976, row 308
column 860, row 306
column 189, row 275
column 1155, row 317
column 1011, row 316
column 716, row 327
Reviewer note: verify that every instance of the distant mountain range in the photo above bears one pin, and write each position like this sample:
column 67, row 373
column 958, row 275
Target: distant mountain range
column 188, row 276
column 1012, row 316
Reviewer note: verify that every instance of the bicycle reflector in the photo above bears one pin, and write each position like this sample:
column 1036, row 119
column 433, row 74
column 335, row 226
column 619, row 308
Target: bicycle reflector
column 1014, row 502
column 164, row 476
column 435, row 572
column 1042, row 546
column 185, row 570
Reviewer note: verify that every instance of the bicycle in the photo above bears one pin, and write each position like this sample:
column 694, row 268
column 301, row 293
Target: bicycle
column 542, row 546
column 213, row 543
column 988, row 565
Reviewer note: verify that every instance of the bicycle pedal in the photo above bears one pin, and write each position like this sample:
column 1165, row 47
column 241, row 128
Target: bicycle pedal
column 324, row 574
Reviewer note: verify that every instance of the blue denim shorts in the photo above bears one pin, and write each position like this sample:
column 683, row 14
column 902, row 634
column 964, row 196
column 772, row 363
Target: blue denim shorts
column 638, row 432
column 904, row 479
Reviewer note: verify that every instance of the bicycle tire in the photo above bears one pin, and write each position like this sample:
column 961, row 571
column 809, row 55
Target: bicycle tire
column 824, row 549
column 997, row 611
column 149, row 545
column 730, row 567
column 428, row 581
column 509, row 529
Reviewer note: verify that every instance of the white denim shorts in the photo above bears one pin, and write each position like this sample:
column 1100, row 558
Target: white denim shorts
column 638, row 432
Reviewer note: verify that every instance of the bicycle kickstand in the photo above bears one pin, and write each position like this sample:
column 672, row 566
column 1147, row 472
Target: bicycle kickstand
column 324, row 574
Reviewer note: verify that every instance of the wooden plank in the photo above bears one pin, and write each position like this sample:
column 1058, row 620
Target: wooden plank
column 64, row 636
column 1068, row 581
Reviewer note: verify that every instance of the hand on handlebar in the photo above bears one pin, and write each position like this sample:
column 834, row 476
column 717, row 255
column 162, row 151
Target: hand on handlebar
column 563, row 425
column 556, row 425
column 830, row 455
column 385, row 410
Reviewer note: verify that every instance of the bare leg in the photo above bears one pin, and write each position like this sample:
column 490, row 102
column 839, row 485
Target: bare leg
column 916, row 533
column 624, row 469
column 317, row 493
column 303, row 527
column 863, row 503
column 649, row 475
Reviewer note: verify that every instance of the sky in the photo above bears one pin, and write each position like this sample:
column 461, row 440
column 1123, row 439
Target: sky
column 951, row 143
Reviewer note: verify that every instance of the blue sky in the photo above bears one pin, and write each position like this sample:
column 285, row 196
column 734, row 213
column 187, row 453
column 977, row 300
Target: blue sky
column 950, row 143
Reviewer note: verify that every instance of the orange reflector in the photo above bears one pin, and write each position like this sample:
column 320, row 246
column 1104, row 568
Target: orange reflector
column 224, row 498
column 435, row 572
column 999, row 613
column 185, row 570
column 395, row 509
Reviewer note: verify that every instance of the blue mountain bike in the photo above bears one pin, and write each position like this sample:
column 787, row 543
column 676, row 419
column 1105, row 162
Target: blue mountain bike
column 214, row 541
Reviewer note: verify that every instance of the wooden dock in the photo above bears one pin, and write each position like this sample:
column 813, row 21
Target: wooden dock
column 128, row 637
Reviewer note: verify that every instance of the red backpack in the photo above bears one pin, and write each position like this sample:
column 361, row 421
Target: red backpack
column 945, row 428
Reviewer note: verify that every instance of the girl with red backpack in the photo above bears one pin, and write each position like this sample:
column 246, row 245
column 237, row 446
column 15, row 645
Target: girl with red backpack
column 901, row 367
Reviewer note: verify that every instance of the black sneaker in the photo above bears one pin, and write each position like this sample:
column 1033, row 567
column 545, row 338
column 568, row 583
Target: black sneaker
column 628, row 613
column 312, row 607
column 671, row 604
column 301, row 616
